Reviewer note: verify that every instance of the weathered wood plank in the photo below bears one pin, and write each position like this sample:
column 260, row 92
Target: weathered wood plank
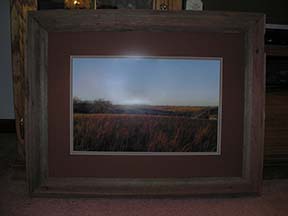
column 143, row 20
column 254, row 104
column 258, row 105
column 19, row 10
column 36, row 119
column 95, row 187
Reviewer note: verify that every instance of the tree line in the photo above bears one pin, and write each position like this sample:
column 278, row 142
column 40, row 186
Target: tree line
column 95, row 106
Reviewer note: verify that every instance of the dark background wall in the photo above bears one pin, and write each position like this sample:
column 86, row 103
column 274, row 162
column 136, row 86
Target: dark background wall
column 6, row 93
column 276, row 10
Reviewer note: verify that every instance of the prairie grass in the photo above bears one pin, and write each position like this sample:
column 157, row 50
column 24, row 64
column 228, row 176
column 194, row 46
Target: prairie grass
column 143, row 133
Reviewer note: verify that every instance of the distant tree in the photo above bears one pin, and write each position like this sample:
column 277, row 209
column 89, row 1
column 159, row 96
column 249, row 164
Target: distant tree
column 80, row 106
column 101, row 106
column 96, row 106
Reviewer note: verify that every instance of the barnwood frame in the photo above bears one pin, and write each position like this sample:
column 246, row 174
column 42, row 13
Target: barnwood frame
column 36, row 134
column 19, row 10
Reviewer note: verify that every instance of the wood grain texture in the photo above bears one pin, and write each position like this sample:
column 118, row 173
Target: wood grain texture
column 143, row 20
column 255, row 95
column 19, row 10
column 40, row 23
column 276, row 130
column 254, row 105
column 95, row 187
column 276, row 123
column 36, row 118
column 172, row 5
column 276, row 50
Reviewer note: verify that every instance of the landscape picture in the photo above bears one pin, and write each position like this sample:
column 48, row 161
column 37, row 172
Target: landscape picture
column 143, row 104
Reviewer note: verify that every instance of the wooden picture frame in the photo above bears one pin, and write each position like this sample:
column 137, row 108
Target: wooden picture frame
column 42, row 23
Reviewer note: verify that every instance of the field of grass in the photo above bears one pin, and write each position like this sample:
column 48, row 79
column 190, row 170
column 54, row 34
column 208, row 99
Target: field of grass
column 143, row 133
column 103, row 106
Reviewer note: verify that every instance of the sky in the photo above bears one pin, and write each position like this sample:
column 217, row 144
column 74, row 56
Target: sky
column 150, row 81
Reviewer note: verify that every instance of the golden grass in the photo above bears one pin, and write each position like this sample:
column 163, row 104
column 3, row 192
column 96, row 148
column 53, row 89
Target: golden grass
column 143, row 133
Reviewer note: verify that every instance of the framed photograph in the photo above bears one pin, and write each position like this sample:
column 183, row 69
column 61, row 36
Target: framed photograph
column 140, row 105
column 135, row 104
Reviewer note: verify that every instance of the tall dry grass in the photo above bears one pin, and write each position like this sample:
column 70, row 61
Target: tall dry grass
column 143, row 133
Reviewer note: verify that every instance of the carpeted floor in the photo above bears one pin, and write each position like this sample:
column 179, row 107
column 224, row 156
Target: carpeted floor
column 15, row 202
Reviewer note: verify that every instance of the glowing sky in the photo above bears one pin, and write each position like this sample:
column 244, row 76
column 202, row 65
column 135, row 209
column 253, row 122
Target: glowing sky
column 152, row 81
